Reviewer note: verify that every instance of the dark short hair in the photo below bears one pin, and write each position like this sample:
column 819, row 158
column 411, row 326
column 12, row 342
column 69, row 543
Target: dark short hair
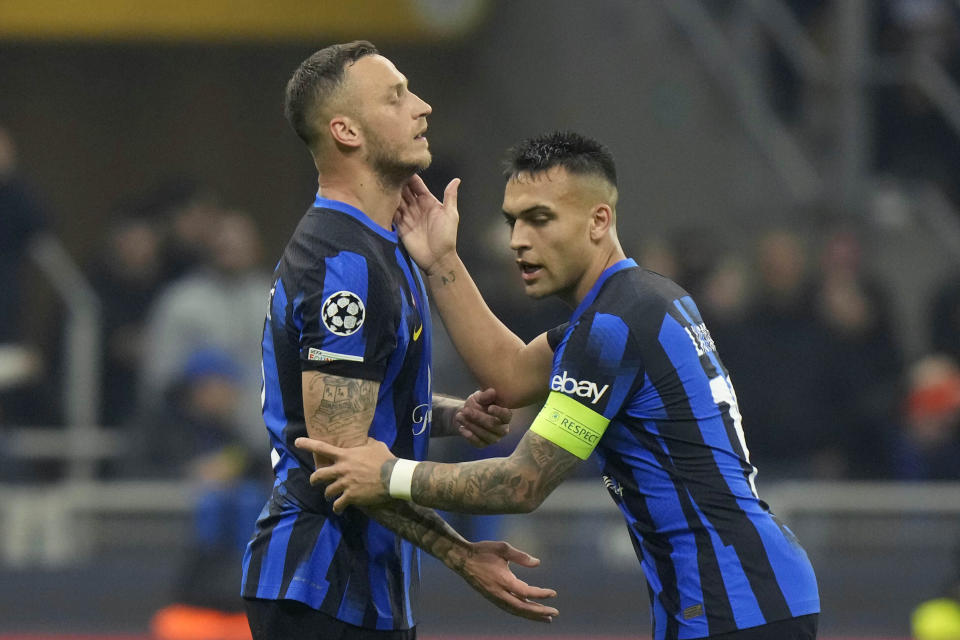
column 571, row 151
column 315, row 80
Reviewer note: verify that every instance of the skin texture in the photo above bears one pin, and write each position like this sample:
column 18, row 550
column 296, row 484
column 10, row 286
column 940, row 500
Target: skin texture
column 339, row 410
column 371, row 141
column 563, row 233
column 477, row 419
column 517, row 484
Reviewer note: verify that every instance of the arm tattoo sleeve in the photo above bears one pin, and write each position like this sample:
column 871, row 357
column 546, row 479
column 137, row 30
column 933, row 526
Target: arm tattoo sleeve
column 338, row 410
column 517, row 484
column 424, row 528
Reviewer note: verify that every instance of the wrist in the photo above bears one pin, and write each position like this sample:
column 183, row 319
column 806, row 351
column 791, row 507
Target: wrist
column 400, row 483
column 444, row 266
column 457, row 555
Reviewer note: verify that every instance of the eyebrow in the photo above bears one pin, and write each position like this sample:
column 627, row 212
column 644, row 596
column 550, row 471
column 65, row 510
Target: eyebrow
column 399, row 85
column 535, row 209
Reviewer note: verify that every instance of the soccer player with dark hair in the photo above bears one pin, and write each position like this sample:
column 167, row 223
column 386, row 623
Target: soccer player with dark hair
column 346, row 355
column 634, row 376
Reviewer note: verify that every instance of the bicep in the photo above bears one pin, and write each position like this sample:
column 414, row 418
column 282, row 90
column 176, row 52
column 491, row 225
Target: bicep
column 337, row 409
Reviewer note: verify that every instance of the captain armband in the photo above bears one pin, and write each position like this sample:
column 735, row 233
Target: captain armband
column 570, row 425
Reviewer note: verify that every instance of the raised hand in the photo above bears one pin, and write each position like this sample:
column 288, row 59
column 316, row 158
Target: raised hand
column 480, row 421
column 486, row 568
column 428, row 227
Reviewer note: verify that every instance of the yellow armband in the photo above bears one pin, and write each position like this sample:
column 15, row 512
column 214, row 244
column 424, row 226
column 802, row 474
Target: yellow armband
column 569, row 425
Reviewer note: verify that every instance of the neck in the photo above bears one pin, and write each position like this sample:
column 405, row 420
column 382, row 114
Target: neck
column 361, row 188
column 603, row 261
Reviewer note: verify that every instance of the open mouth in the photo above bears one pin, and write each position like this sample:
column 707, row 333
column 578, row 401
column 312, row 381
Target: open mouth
column 421, row 136
column 528, row 270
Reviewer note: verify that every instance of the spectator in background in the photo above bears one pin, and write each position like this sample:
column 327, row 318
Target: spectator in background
column 183, row 211
column 928, row 444
column 21, row 223
column 864, row 363
column 194, row 434
column 945, row 318
column 219, row 305
column 779, row 370
column 126, row 278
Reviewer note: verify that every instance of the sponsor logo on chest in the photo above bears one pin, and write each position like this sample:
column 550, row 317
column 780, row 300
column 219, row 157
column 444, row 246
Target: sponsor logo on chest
column 582, row 388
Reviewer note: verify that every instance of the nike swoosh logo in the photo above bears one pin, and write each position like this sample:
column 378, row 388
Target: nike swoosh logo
column 417, row 332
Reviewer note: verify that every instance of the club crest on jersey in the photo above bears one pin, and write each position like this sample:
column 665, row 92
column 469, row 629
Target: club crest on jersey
column 343, row 313
column 582, row 388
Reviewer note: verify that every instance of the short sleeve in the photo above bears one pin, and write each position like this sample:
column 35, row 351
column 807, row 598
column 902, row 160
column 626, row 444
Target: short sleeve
column 598, row 364
column 346, row 318
column 555, row 335
column 594, row 372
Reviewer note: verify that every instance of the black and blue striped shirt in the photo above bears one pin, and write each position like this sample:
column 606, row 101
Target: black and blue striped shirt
column 675, row 459
column 346, row 300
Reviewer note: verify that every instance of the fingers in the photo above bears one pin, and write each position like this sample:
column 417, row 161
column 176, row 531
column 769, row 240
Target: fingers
column 484, row 397
column 418, row 186
column 529, row 610
column 523, row 590
column 323, row 475
column 450, row 193
column 470, row 437
column 522, row 558
column 318, row 447
column 487, row 428
column 500, row 413
column 407, row 196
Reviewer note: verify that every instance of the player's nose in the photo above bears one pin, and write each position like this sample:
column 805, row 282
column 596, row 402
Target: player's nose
column 422, row 108
column 518, row 239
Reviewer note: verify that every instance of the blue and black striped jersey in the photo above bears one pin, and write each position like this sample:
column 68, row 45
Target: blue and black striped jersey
column 675, row 460
column 346, row 300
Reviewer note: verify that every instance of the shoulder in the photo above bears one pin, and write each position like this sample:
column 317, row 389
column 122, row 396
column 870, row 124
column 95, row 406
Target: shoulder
column 324, row 238
column 639, row 298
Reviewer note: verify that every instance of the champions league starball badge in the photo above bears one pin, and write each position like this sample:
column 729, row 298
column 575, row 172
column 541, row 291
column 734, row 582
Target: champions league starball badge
column 343, row 313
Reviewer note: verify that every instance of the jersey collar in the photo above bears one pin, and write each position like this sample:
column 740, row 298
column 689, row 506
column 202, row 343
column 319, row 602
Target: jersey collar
column 356, row 214
column 626, row 263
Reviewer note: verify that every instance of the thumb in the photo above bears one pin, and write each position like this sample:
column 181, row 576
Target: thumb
column 450, row 194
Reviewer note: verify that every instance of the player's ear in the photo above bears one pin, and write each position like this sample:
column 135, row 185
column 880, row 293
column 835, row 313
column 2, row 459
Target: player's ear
column 345, row 131
column 601, row 220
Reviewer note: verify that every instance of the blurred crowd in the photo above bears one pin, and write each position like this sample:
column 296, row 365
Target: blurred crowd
column 803, row 324
column 810, row 338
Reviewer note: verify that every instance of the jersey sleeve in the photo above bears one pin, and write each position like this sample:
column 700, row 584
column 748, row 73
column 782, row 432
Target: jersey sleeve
column 346, row 319
column 595, row 369
column 555, row 335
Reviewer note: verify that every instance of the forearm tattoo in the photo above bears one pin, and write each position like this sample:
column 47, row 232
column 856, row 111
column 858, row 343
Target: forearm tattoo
column 342, row 408
column 497, row 485
column 442, row 419
column 424, row 528
column 448, row 278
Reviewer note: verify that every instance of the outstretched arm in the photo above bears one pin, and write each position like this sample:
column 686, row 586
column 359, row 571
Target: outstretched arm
column 496, row 356
column 516, row 484
column 338, row 411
